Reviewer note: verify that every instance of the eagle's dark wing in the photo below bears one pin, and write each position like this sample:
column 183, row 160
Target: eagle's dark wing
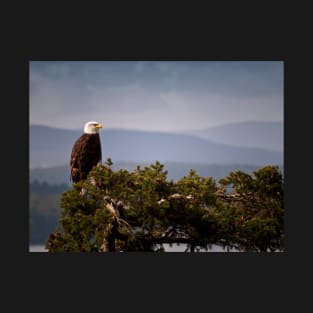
column 86, row 153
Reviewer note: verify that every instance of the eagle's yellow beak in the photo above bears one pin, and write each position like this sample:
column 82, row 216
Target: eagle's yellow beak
column 99, row 126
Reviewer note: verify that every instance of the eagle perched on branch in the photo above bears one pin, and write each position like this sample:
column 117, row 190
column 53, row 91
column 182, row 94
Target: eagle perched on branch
column 86, row 152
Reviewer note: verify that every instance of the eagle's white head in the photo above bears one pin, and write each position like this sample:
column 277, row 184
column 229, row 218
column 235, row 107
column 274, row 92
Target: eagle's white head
column 92, row 127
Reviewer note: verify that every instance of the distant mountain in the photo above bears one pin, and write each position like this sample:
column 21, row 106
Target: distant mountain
column 52, row 147
column 266, row 135
column 60, row 174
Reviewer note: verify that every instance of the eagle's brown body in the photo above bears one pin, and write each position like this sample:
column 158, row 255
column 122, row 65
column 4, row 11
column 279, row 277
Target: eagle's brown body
column 86, row 153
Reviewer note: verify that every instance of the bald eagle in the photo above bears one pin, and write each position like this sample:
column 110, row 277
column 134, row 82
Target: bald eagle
column 86, row 152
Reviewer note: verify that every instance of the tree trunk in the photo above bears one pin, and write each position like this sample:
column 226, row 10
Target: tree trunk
column 110, row 235
column 108, row 244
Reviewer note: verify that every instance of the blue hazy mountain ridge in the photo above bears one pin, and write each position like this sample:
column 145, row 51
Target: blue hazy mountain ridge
column 52, row 147
column 61, row 174
column 266, row 135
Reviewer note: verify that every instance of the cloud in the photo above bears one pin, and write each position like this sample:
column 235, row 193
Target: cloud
column 203, row 109
column 155, row 95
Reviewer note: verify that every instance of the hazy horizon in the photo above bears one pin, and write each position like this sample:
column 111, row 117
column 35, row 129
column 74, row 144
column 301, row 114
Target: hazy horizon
column 164, row 131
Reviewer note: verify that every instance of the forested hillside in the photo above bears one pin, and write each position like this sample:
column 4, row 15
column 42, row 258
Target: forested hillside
column 44, row 210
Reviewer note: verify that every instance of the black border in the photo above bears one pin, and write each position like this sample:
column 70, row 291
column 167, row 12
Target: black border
column 210, row 277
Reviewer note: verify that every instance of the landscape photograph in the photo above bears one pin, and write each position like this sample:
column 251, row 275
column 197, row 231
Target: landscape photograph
column 156, row 156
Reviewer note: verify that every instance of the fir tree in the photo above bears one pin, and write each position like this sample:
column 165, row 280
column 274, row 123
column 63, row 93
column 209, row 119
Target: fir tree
column 141, row 210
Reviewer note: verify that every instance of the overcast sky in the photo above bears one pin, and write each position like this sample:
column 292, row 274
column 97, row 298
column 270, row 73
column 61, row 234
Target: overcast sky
column 157, row 96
